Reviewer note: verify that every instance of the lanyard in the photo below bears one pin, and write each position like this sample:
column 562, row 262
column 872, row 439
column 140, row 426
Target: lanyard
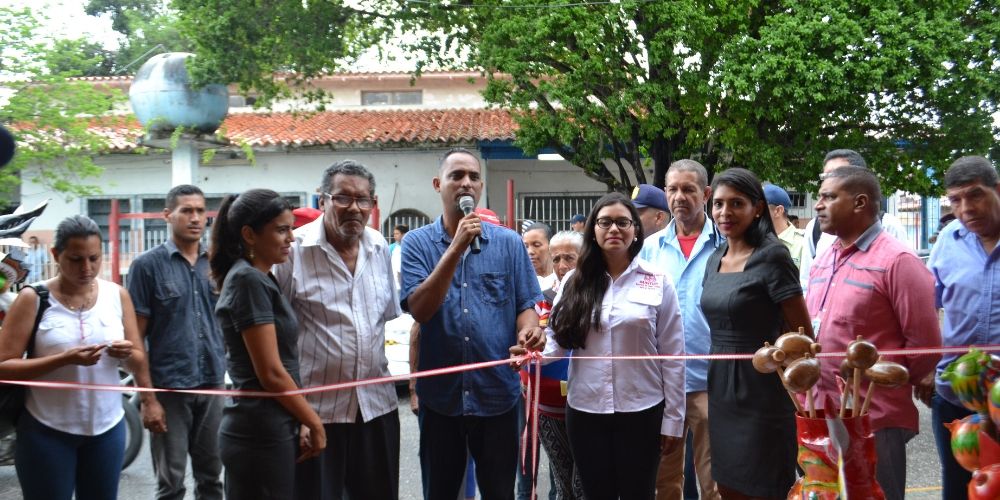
column 829, row 285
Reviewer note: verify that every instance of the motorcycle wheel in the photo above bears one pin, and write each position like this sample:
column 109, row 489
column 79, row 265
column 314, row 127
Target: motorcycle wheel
column 133, row 432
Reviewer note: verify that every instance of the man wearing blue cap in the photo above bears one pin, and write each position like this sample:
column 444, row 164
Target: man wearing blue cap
column 651, row 202
column 577, row 222
column 778, row 203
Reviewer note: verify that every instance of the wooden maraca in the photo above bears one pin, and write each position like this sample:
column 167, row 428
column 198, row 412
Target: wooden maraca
column 768, row 359
column 861, row 355
column 801, row 376
column 886, row 374
column 796, row 345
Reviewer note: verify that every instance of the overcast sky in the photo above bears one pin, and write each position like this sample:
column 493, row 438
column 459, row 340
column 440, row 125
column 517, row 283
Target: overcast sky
column 66, row 19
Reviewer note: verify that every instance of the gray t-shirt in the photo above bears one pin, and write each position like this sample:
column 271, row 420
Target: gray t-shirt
column 249, row 298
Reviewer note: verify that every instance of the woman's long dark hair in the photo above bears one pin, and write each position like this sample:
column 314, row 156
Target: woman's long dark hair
column 749, row 185
column 254, row 208
column 579, row 309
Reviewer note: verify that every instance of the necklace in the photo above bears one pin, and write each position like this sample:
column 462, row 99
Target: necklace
column 88, row 298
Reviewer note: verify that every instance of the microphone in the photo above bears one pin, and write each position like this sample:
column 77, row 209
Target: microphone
column 467, row 204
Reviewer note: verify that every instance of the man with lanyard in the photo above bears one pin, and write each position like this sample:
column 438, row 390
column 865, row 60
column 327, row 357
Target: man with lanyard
column 682, row 250
column 338, row 279
column 471, row 306
column 967, row 286
column 820, row 241
column 175, row 308
column 871, row 285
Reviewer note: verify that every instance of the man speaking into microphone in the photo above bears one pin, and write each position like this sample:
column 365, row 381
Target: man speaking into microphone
column 471, row 307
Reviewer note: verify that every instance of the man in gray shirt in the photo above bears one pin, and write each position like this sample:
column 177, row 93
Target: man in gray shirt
column 175, row 305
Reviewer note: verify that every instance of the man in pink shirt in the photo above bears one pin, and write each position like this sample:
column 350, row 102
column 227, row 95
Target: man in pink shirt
column 870, row 284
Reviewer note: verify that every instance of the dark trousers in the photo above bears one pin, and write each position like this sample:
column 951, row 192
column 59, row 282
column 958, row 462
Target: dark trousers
column 258, row 469
column 492, row 442
column 193, row 428
column 52, row 465
column 954, row 478
column 616, row 454
column 360, row 462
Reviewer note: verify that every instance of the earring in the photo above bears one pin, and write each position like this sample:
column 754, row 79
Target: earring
column 250, row 256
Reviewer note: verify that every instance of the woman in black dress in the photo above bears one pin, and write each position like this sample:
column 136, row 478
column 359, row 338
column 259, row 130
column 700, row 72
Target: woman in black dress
column 751, row 295
column 260, row 439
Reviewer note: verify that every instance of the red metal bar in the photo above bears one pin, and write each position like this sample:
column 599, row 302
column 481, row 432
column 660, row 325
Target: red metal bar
column 375, row 218
column 510, row 204
column 113, row 238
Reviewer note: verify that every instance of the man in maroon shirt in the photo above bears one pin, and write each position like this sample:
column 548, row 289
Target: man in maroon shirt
column 871, row 285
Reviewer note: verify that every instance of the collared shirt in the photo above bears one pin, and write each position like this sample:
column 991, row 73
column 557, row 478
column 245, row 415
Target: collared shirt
column 477, row 320
column 890, row 224
column 639, row 317
column 967, row 286
column 878, row 289
column 663, row 251
column 183, row 339
column 341, row 321
column 794, row 240
column 37, row 258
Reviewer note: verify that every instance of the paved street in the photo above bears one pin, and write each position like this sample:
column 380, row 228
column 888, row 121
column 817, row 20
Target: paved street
column 138, row 483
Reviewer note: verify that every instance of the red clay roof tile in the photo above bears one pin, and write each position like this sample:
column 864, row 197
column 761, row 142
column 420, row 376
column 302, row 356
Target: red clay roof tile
column 344, row 128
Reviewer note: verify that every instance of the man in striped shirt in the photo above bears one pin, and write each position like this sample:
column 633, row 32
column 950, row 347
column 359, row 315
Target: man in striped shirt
column 338, row 278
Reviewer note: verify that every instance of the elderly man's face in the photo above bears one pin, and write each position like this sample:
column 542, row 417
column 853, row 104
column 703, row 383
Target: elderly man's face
column 977, row 206
column 343, row 217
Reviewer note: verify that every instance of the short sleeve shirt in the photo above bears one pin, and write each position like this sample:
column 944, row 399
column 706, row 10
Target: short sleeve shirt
column 249, row 298
column 183, row 340
column 476, row 322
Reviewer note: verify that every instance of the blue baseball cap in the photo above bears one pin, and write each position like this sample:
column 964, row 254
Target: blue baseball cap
column 777, row 196
column 647, row 195
column 577, row 218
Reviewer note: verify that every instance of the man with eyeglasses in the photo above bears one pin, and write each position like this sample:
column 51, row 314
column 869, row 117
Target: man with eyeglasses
column 339, row 280
column 471, row 308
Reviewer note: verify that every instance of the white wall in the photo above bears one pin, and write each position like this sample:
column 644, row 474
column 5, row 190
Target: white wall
column 402, row 179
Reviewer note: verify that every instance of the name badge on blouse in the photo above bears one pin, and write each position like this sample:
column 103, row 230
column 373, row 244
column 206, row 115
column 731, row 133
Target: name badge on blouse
column 647, row 290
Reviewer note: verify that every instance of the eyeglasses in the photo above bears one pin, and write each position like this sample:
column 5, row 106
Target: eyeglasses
column 344, row 201
column 623, row 223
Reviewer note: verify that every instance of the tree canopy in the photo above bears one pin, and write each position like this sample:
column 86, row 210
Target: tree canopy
column 770, row 86
column 49, row 115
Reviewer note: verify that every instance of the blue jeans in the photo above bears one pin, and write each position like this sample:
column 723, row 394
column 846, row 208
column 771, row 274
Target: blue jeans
column 954, row 478
column 52, row 464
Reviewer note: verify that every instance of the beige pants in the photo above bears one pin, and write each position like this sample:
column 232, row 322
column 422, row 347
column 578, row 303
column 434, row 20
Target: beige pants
column 670, row 476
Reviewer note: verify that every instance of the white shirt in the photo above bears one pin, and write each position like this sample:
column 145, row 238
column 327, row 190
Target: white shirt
column 86, row 413
column 547, row 282
column 341, row 321
column 639, row 316
column 890, row 224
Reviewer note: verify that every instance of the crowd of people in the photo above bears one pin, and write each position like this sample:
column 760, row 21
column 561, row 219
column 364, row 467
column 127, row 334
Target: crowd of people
column 695, row 268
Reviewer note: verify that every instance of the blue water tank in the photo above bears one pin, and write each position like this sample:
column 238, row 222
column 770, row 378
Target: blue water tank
column 163, row 100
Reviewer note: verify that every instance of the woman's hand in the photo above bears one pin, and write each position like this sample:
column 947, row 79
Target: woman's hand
column 312, row 441
column 121, row 349
column 87, row 355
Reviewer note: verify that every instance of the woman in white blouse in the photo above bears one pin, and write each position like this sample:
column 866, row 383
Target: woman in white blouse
column 621, row 413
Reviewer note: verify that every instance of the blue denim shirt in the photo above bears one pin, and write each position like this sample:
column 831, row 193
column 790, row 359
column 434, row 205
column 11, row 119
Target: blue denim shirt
column 476, row 322
column 967, row 286
column 664, row 251
column 183, row 340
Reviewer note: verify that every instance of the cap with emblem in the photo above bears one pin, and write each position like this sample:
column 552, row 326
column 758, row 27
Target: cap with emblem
column 647, row 195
